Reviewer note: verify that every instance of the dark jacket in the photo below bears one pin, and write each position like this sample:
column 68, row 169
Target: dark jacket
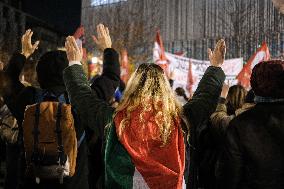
column 253, row 155
column 23, row 96
column 211, row 142
column 98, row 114
column 198, row 111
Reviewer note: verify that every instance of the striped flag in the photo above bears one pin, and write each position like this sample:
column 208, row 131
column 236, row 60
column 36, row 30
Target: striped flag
column 139, row 160
column 159, row 54
column 261, row 54
column 79, row 37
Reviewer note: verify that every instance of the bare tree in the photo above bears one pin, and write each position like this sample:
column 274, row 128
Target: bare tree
column 244, row 23
column 132, row 25
column 235, row 19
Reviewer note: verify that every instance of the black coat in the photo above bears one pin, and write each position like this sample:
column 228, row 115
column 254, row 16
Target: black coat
column 22, row 96
column 197, row 112
column 253, row 156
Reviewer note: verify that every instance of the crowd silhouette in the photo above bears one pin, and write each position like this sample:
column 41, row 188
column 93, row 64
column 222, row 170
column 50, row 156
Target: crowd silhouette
column 66, row 133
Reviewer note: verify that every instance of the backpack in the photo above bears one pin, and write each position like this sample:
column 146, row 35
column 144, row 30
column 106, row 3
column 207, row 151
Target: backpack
column 49, row 138
column 9, row 129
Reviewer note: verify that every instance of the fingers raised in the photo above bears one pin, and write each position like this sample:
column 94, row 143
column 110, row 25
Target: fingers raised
column 99, row 31
column 35, row 46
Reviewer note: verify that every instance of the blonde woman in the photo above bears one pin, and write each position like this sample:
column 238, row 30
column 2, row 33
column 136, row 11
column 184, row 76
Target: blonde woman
column 145, row 145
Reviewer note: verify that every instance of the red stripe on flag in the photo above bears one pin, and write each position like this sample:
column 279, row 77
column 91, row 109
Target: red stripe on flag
column 161, row 60
column 261, row 54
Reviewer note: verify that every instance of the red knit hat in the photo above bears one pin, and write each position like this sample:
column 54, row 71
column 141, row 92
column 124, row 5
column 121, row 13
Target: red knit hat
column 267, row 79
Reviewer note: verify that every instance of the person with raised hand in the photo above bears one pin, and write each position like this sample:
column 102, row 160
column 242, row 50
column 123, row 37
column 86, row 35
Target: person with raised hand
column 27, row 47
column 144, row 139
column 50, row 77
column 103, row 40
column 104, row 86
column 198, row 110
column 13, row 70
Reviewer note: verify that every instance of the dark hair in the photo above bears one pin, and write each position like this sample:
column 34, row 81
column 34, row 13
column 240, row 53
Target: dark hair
column 235, row 99
column 267, row 79
column 50, row 69
column 181, row 92
column 250, row 97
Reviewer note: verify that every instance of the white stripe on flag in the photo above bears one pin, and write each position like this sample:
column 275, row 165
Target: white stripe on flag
column 138, row 181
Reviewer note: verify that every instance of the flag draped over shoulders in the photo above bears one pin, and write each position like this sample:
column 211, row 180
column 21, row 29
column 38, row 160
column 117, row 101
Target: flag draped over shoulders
column 153, row 165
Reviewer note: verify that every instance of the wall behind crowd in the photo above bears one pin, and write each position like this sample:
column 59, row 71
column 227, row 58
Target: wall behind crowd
column 192, row 26
column 14, row 21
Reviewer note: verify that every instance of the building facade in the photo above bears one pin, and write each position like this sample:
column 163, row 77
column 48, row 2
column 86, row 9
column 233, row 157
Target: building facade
column 14, row 21
column 192, row 26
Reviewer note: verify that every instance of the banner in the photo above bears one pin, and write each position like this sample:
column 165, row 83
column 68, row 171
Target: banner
column 231, row 67
column 180, row 66
column 186, row 72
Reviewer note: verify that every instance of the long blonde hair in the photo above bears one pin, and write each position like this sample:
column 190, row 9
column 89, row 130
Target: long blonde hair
column 149, row 89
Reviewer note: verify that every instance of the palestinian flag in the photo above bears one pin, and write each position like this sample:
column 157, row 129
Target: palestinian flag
column 139, row 160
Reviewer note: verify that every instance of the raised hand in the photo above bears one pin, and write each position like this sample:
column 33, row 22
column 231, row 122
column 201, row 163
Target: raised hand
column 217, row 57
column 103, row 40
column 74, row 53
column 27, row 47
column 225, row 90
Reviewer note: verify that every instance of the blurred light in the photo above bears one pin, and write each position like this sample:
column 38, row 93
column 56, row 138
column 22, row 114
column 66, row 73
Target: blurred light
column 95, row 60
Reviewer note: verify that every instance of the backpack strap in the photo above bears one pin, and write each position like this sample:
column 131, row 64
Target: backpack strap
column 61, row 98
column 38, row 95
column 81, row 139
column 61, row 155
column 44, row 95
column 36, row 132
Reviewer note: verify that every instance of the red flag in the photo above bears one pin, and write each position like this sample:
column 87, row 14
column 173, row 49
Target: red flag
column 159, row 53
column 79, row 35
column 124, row 66
column 79, row 32
column 190, row 80
column 261, row 54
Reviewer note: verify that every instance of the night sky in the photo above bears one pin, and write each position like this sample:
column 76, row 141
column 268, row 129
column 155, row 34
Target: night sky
column 63, row 14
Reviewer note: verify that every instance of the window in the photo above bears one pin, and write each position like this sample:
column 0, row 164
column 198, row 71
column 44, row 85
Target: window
column 104, row 2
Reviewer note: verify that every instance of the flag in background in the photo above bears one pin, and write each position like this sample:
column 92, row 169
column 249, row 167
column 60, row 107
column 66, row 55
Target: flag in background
column 79, row 32
column 79, row 37
column 190, row 80
column 124, row 66
column 261, row 54
column 159, row 55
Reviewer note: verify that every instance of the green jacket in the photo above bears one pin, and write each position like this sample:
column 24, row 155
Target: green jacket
column 96, row 114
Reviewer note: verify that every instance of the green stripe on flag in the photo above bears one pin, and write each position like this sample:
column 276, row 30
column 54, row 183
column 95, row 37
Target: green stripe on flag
column 119, row 169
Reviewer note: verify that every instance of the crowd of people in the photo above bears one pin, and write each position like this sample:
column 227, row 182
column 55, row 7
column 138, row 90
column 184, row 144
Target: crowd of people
column 68, row 133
